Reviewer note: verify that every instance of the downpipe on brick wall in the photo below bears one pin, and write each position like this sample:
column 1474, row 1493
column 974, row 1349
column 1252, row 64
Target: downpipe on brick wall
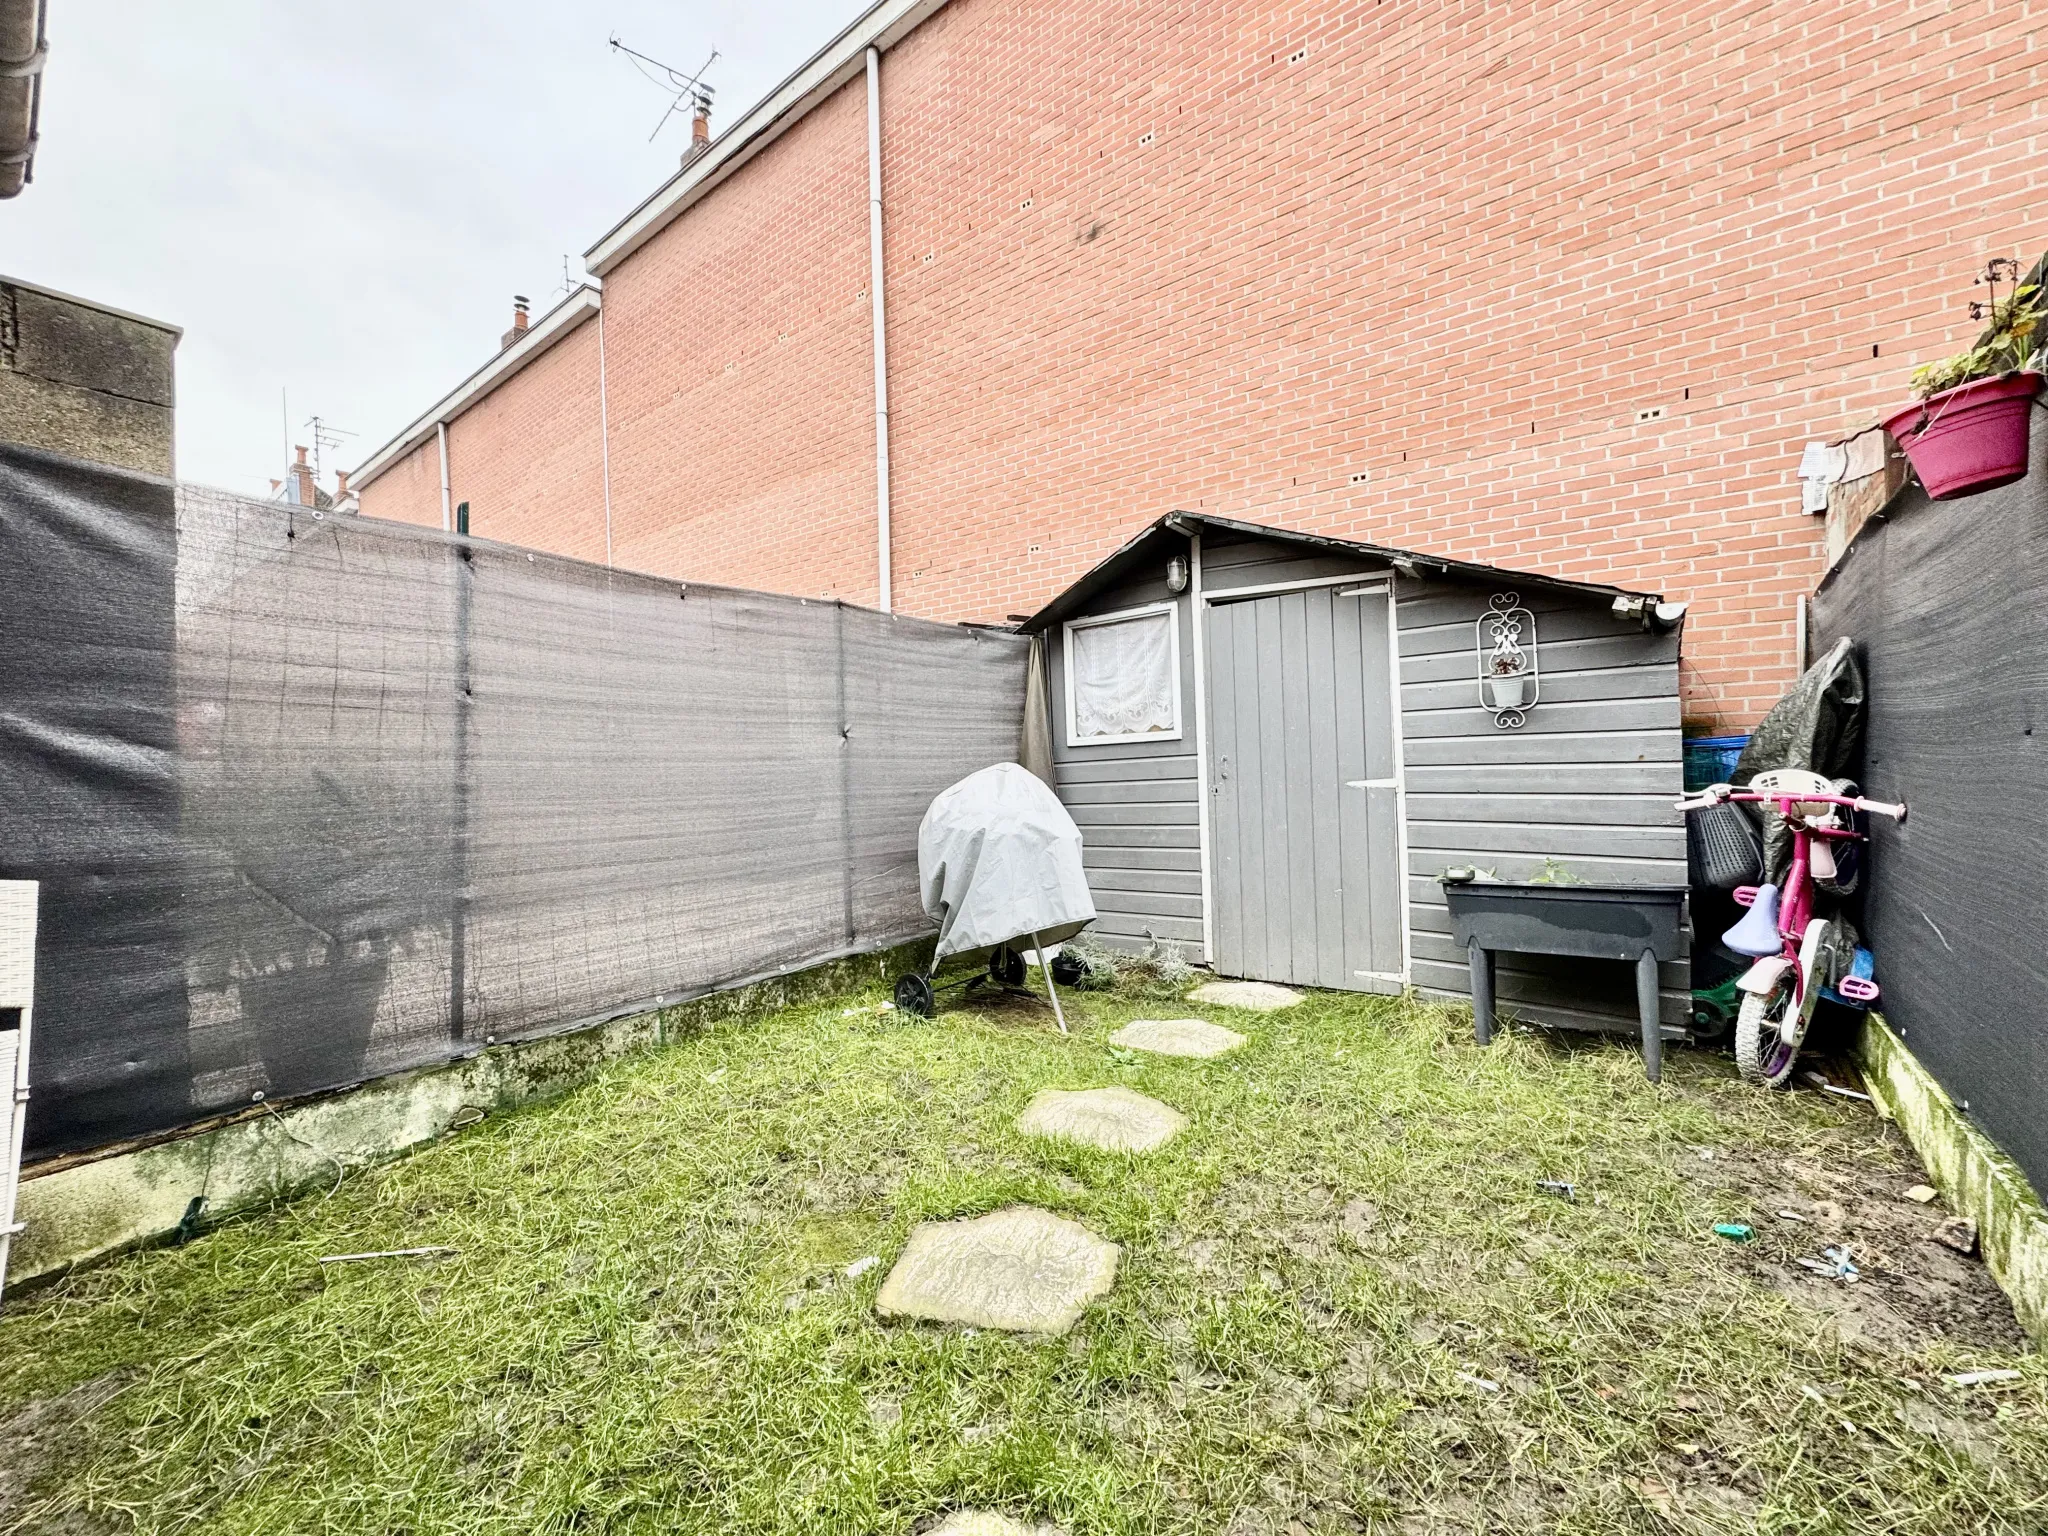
column 881, row 325
column 447, row 516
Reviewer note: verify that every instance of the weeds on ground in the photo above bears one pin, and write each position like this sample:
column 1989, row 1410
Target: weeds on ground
column 1102, row 967
column 1346, row 1304
column 1159, row 970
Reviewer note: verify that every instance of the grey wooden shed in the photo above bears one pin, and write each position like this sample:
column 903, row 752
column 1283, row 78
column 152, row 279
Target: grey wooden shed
column 1274, row 743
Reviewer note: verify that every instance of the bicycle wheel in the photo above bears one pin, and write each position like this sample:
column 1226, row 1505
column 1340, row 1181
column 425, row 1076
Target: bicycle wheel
column 1762, row 1054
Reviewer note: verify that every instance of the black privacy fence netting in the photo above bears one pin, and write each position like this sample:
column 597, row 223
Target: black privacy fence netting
column 1943, row 600
column 318, row 800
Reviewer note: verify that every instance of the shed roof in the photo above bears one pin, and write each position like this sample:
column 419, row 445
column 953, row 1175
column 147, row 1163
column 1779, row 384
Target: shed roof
column 1144, row 551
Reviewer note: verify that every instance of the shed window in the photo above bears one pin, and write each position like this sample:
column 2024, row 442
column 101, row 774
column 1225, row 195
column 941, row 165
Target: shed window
column 1123, row 677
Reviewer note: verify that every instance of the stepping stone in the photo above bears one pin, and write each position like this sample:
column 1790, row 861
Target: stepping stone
column 1177, row 1037
column 1261, row 996
column 1114, row 1119
column 984, row 1522
column 1021, row 1269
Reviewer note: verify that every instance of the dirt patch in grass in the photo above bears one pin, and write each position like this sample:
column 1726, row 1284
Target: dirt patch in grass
column 1347, row 1303
column 44, row 1433
column 1910, row 1290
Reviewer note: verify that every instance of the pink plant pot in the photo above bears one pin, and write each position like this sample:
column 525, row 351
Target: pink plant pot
column 1971, row 438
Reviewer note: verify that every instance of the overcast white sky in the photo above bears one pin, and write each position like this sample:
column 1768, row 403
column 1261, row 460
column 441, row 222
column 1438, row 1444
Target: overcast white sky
column 339, row 200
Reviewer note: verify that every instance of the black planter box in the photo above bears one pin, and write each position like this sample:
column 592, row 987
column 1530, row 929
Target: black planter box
column 1601, row 922
column 1640, row 924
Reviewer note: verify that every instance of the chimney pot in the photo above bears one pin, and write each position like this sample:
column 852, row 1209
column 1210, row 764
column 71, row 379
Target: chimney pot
column 519, row 322
column 700, row 128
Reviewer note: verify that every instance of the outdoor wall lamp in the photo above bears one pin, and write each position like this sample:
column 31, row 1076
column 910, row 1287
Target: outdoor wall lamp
column 1510, row 680
column 1415, row 568
column 1652, row 613
column 1177, row 575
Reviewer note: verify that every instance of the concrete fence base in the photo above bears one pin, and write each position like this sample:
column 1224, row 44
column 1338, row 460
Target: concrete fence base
column 84, row 1207
column 1974, row 1177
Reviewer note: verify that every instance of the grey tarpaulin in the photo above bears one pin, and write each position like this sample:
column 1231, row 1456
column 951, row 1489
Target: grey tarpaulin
column 320, row 800
column 1818, row 726
column 1034, row 749
column 998, row 859
column 1944, row 601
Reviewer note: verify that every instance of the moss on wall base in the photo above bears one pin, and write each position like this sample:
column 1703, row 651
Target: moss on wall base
column 84, row 1208
column 1975, row 1178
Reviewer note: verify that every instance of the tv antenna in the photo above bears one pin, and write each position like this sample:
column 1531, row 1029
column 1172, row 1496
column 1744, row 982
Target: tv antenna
column 672, row 80
column 325, row 436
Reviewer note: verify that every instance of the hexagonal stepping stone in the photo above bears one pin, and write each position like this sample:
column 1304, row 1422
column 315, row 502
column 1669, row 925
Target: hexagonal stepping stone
column 1261, row 996
column 1177, row 1037
column 986, row 1522
column 1114, row 1119
column 1020, row 1269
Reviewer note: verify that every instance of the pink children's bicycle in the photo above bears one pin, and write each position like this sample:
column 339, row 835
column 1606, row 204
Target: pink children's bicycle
column 1780, row 991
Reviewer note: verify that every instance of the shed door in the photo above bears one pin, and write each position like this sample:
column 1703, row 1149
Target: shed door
column 1305, row 816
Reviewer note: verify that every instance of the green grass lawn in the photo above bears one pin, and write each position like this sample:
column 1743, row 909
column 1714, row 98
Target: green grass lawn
column 1344, row 1305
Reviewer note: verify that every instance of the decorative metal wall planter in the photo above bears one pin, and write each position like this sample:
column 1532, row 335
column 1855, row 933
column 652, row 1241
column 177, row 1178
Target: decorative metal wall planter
column 1510, row 678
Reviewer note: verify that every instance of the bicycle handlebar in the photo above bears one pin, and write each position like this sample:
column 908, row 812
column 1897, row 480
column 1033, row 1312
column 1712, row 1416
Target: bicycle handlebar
column 1718, row 794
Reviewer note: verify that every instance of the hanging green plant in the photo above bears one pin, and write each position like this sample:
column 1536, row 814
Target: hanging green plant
column 1969, row 430
column 2011, row 341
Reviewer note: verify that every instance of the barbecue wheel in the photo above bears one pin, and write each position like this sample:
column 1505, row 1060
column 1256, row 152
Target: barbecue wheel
column 914, row 995
column 1006, row 966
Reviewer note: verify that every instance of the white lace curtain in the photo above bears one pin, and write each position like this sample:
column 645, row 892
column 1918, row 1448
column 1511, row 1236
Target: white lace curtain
column 1122, row 674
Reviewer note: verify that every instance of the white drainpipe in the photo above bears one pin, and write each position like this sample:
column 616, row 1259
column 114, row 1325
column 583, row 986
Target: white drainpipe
column 447, row 517
column 604, row 435
column 881, row 325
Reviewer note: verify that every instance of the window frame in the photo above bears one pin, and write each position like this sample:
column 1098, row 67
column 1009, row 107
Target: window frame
column 1171, row 609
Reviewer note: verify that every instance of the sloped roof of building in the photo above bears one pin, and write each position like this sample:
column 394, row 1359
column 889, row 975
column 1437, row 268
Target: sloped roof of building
column 1148, row 550
column 881, row 26
column 581, row 305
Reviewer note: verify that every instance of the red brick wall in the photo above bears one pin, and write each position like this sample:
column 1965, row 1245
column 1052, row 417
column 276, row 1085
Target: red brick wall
column 740, row 379
column 409, row 491
column 527, row 458
column 1142, row 257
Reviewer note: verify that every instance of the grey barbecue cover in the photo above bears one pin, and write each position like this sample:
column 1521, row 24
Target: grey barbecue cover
column 999, row 858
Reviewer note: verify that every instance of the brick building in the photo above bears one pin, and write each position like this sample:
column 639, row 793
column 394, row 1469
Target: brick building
column 1562, row 287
